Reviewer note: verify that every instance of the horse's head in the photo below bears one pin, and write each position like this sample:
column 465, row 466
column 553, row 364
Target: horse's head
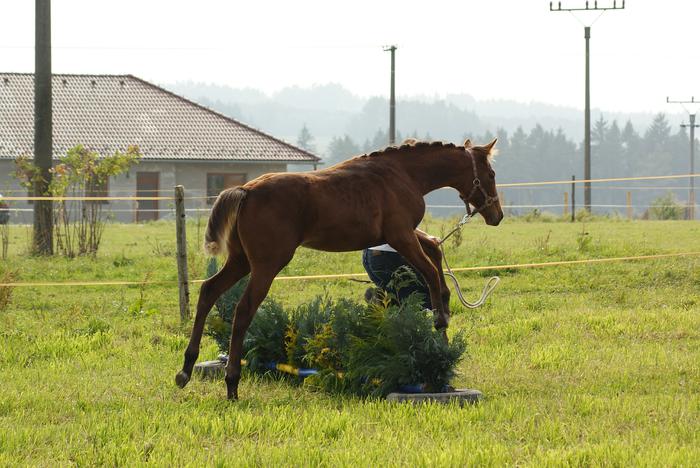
column 479, row 188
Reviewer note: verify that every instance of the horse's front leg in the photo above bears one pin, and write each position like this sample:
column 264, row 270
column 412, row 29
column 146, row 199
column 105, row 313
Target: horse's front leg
column 410, row 248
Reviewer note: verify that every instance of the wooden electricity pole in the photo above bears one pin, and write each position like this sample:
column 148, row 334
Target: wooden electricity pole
column 587, row 111
column 692, row 125
column 392, row 98
column 43, row 144
column 183, row 278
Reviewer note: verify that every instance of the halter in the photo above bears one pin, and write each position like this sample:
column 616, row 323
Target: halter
column 476, row 185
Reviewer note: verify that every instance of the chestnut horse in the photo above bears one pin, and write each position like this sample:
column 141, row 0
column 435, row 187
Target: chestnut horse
column 365, row 201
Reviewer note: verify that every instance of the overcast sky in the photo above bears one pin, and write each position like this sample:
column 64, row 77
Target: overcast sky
column 497, row 49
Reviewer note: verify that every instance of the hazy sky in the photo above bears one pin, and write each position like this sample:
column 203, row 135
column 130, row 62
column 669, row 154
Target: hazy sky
column 498, row 49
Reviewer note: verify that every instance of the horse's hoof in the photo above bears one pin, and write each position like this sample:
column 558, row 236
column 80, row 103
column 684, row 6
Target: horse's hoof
column 442, row 320
column 232, row 387
column 181, row 379
column 231, row 394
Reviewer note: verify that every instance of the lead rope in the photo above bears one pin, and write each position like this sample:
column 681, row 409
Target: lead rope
column 491, row 283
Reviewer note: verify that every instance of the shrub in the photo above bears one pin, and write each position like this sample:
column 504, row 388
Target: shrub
column 306, row 321
column 79, row 224
column 365, row 349
column 666, row 207
column 536, row 215
column 397, row 345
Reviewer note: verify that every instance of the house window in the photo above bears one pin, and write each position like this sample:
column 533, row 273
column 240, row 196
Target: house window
column 217, row 182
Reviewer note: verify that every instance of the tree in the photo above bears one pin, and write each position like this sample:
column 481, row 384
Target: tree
column 379, row 141
column 80, row 173
column 657, row 158
column 658, row 133
column 631, row 147
column 610, row 152
column 680, row 147
column 600, row 130
column 305, row 140
column 341, row 149
column 503, row 141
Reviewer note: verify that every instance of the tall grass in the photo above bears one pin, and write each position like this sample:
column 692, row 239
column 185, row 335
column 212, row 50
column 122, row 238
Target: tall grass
column 581, row 365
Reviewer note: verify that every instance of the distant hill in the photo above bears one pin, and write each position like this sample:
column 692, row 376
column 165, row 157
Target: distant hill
column 330, row 110
column 537, row 141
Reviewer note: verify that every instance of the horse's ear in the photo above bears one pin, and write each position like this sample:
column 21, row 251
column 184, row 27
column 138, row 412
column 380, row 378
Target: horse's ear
column 467, row 143
column 489, row 147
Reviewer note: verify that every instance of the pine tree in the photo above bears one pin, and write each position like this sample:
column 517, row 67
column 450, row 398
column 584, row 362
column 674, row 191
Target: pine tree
column 613, row 152
column 341, row 149
column 658, row 133
column 599, row 132
column 631, row 145
column 657, row 159
column 680, row 147
column 306, row 140
column 380, row 140
column 503, row 141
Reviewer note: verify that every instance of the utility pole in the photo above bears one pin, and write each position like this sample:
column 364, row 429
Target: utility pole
column 43, row 144
column 392, row 98
column 587, row 111
column 692, row 125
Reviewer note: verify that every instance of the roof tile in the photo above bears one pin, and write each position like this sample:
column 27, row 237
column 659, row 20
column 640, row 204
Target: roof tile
column 110, row 112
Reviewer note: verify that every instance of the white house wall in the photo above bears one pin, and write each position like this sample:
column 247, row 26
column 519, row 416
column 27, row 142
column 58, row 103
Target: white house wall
column 191, row 175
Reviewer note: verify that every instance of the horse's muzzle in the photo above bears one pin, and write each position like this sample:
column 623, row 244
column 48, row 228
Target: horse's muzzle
column 494, row 221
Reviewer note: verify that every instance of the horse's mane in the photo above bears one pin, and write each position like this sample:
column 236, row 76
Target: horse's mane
column 410, row 145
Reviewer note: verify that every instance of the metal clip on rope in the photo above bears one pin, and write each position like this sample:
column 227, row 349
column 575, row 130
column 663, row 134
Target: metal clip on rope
column 464, row 221
column 491, row 283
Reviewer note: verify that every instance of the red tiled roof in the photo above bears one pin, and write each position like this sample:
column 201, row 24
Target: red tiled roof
column 110, row 112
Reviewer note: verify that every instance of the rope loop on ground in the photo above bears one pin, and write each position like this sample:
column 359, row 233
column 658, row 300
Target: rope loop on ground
column 491, row 283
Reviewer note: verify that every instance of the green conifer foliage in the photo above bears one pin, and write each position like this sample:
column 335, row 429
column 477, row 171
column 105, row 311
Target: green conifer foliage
column 358, row 348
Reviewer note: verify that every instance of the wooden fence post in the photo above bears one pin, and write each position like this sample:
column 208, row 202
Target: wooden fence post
column 629, row 205
column 573, row 198
column 566, row 204
column 181, row 234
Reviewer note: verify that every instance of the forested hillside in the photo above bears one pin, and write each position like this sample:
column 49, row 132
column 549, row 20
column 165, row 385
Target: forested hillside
column 536, row 141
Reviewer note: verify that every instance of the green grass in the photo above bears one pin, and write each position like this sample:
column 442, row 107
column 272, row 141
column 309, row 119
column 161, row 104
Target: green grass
column 581, row 365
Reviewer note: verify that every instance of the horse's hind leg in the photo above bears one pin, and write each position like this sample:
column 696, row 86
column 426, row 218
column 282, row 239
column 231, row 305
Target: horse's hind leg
column 410, row 248
column 235, row 268
column 432, row 250
column 258, row 287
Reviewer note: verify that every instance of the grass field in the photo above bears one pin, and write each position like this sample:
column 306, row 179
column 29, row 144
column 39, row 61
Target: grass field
column 581, row 365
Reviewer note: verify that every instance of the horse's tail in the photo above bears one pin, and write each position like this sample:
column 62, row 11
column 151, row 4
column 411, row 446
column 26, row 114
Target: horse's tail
column 222, row 220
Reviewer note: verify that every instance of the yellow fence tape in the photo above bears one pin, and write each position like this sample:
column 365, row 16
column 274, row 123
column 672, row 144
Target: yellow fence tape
column 613, row 179
column 355, row 275
column 514, row 184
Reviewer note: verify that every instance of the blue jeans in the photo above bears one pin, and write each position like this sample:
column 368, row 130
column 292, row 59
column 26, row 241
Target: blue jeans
column 380, row 267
